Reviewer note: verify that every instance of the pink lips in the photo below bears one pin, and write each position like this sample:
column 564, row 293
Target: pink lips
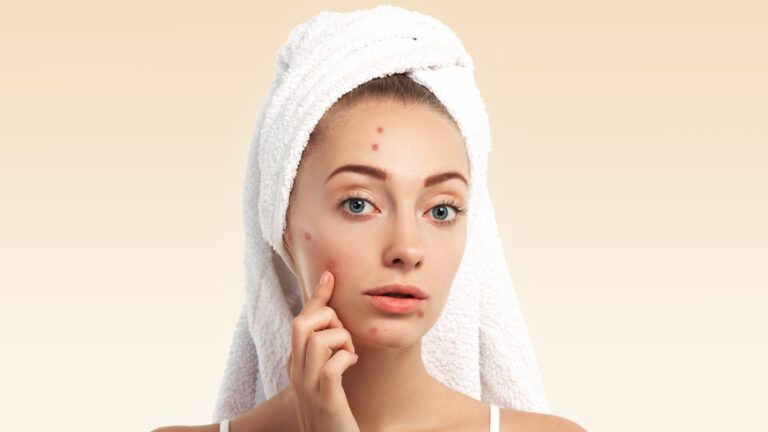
column 411, row 290
column 395, row 305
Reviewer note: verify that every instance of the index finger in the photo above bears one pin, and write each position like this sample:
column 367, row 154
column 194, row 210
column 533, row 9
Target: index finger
column 322, row 295
column 323, row 291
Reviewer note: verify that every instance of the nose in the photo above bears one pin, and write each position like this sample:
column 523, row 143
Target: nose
column 404, row 248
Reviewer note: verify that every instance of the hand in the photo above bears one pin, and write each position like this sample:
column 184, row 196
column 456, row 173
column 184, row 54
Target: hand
column 313, row 368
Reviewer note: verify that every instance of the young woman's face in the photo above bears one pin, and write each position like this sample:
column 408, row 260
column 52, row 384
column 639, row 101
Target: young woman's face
column 370, row 231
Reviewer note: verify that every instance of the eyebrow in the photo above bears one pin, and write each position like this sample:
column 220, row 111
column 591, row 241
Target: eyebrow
column 383, row 175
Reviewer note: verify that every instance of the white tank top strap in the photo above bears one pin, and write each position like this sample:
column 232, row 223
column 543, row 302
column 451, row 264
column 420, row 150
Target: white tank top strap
column 224, row 426
column 494, row 418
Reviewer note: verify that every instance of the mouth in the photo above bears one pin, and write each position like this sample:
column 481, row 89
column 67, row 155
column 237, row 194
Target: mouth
column 398, row 291
column 396, row 305
column 397, row 295
column 397, row 298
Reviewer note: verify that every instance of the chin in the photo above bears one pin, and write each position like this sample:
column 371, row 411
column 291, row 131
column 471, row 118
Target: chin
column 386, row 332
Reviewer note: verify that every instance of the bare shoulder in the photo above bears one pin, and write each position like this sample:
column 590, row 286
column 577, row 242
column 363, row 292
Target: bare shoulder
column 276, row 414
column 511, row 420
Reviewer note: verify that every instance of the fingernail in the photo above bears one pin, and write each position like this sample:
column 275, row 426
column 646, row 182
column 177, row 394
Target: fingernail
column 324, row 278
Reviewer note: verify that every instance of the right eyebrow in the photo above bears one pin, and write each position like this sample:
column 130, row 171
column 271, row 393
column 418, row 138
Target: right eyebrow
column 374, row 172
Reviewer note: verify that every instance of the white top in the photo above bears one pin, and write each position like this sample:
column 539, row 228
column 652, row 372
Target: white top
column 494, row 418
column 224, row 425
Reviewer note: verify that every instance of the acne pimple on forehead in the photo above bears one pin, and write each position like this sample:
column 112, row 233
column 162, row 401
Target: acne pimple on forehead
column 375, row 147
column 381, row 129
column 307, row 235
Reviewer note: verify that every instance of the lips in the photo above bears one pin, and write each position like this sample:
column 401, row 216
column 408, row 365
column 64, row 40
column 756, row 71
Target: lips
column 395, row 305
column 398, row 291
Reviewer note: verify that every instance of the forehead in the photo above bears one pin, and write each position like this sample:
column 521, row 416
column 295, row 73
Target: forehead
column 401, row 138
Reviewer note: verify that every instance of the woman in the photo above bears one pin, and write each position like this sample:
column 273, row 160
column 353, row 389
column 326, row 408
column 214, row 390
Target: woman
column 380, row 200
column 360, row 212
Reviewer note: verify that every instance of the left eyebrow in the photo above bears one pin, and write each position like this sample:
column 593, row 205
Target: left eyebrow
column 383, row 175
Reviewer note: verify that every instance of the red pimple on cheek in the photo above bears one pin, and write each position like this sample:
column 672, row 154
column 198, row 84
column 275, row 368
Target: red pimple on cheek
column 307, row 235
column 381, row 129
column 331, row 265
column 375, row 147
column 374, row 330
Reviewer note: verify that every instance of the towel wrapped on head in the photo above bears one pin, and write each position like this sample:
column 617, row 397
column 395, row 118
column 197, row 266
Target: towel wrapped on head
column 480, row 345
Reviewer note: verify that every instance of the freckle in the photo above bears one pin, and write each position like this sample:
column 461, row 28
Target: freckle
column 381, row 129
column 375, row 147
column 374, row 330
column 421, row 314
column 307, row 235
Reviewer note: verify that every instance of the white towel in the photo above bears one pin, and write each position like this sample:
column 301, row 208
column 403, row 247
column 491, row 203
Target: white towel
column 480, row 345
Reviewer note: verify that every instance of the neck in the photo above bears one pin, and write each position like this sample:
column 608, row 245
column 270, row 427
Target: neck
column 387, row 387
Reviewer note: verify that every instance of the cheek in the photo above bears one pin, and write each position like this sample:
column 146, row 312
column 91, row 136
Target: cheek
column 324, row 253
column 345, row 258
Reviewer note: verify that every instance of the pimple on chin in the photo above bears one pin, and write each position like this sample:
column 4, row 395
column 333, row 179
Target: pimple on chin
column 330, row 265
column 381, row 129
column 375, row 147
column 307, row 235
column 421, row 314
column 374, row 330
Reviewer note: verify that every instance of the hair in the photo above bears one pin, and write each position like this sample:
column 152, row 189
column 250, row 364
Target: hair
column 398, row 87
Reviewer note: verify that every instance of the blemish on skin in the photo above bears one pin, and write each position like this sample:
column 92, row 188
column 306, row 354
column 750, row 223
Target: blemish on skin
column 307, row 235
column 421, row 314
column 375, row 147
column 374, row 330
column 381, row 129
column 331, row 264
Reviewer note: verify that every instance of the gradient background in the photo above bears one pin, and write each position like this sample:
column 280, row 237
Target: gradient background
column 628, row 174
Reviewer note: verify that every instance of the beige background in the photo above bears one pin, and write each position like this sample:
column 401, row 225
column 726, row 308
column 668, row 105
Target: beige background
column 628, row 173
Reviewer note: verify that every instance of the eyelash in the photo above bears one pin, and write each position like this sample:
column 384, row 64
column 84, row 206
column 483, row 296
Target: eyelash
column 460, row 210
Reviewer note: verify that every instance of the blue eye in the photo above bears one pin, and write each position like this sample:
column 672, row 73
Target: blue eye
column 356, row 205
column 440, row 212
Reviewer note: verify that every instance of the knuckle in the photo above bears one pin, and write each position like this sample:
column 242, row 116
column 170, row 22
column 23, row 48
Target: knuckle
column 296, row 322
column 328, row 310
column 313, row 339
column 327, row 374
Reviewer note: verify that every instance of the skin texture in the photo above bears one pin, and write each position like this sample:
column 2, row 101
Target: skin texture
column 397, row 237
